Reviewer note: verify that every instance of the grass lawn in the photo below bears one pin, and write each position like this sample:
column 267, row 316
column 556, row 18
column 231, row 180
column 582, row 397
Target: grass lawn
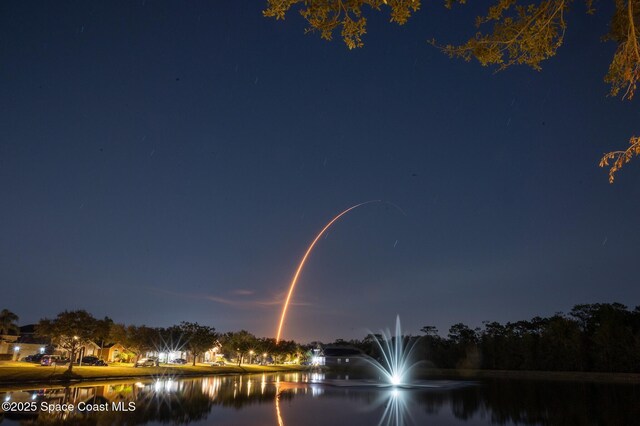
column 23, row 372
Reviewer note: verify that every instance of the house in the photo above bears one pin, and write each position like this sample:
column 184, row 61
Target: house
column 7, row 345
column 16, row 347
column 30, row 343
column 112, row 352
column 89, row 348
column 211, row 355
column 344, row 356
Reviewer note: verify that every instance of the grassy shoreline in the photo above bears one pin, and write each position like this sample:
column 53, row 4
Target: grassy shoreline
column 14, row 374
column 20, row 373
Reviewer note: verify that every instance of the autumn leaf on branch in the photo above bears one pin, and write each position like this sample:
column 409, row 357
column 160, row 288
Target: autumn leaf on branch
column 616, row 159
column 521, row 34
column 624, row 70
column 325, row 16
column 624, row 73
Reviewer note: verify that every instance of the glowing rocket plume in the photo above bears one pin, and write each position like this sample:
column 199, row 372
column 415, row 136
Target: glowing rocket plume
column 304, row 259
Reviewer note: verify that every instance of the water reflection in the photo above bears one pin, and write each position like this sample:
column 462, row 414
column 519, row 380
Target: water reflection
column 396, row 409
column 278, row 414
column 295, row 398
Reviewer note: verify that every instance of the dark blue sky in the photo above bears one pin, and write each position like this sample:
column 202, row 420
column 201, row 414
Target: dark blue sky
column 170, row 161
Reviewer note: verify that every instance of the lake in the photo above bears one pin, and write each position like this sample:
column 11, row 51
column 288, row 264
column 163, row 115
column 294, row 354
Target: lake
column 314, row 399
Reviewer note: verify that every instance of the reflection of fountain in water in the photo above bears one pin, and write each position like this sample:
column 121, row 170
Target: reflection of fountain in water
column 395, row 409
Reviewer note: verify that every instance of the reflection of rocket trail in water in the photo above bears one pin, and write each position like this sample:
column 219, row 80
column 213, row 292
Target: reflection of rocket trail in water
column 304, row 259
column 278, row 415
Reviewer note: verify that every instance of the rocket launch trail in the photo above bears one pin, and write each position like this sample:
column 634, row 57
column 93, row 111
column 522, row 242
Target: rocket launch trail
column 304, row 259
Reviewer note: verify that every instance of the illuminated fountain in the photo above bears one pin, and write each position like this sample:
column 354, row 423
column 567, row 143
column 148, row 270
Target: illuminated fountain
column 395, row 369
column 397, row 361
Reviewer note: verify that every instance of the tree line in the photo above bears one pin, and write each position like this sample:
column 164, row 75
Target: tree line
column 71, row 330
column 600, row 337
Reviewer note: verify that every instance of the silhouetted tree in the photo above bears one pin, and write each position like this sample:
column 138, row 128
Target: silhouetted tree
column 8, row 322
column 239, row 343
column 69, row 330
column 464, row 343
column 199, row 338
column 138, row 339
column 103, row 332
column 593, row 337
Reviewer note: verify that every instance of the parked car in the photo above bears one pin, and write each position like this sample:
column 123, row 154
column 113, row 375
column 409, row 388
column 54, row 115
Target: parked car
column 218, row 364
column 48, row 360
column 35, row 358
column 147, row 362
column 93, row 360
column 179, row 361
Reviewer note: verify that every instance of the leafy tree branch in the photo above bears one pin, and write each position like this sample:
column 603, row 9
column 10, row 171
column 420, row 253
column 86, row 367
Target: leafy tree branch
column 521, row 34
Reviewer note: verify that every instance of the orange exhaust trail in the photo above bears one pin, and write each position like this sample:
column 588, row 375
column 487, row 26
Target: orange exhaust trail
column 304, row 259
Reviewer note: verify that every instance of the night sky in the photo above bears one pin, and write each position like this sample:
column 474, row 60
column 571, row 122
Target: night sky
column 170, row 161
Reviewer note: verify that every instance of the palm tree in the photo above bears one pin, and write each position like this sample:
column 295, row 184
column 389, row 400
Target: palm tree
column 8, row 322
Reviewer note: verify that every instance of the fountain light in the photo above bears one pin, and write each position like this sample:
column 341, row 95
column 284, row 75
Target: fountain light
column 396, row 357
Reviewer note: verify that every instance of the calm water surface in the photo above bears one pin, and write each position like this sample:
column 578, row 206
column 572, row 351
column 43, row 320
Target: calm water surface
column 312, row 399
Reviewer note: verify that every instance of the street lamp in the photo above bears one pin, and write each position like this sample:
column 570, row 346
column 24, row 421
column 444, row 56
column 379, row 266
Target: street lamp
column 264, row 358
